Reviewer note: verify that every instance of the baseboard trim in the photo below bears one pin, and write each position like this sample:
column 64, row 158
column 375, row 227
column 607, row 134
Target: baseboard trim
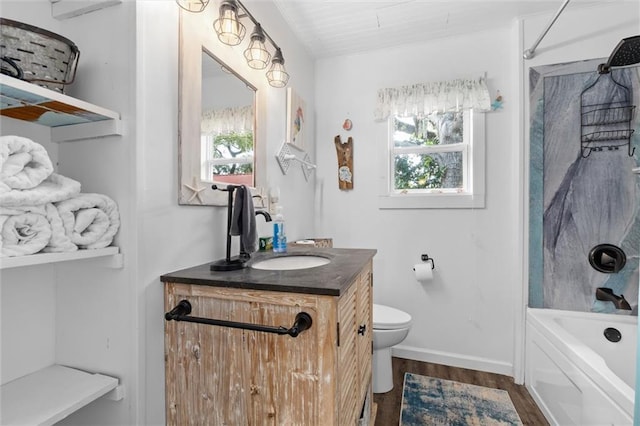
column 453, row 360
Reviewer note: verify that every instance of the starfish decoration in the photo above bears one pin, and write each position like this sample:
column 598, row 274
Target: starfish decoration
column 196, row 190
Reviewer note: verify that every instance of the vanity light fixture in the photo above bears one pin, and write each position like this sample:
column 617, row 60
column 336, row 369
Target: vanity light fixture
column 229, row 29
column 277, row 75
column 231, row 32
column 256, row 54
column 195, row 6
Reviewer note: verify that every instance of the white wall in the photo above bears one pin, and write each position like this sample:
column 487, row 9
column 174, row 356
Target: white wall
column 111, row 321
column 471, row 314
column 172, row 237
column 466, row 314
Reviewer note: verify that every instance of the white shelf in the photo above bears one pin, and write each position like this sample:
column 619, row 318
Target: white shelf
column 51, row 394
column 69, row 118
column 42, row 258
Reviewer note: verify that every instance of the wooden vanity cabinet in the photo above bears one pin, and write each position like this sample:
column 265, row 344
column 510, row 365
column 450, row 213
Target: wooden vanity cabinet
column 355, row 349
column 217, row 375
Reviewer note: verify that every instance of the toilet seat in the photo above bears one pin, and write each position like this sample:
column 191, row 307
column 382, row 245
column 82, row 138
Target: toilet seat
column 388, row 318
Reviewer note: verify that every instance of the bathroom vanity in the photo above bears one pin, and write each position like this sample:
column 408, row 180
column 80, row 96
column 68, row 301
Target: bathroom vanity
column 228, row 373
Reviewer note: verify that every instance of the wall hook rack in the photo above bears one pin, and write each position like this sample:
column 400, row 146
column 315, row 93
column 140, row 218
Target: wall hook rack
column 285, row 155
column 426, row 258
column 182, row 310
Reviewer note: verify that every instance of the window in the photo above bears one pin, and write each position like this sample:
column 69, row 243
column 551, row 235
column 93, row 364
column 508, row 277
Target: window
column 435, row 160
column 227, row 146
column 228, row 158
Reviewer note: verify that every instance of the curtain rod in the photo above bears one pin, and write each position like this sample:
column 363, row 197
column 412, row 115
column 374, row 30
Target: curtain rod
column 530, row 53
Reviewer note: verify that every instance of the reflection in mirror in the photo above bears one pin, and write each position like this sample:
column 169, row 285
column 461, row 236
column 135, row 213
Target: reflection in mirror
column 227, row 125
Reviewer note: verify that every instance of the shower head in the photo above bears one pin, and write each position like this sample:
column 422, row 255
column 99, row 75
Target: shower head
column 627, row 52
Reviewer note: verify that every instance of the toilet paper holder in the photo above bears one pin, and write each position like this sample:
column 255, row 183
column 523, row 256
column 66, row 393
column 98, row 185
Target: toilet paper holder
column 426, row 258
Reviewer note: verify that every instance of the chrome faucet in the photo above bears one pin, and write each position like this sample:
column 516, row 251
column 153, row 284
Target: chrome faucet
column 607, row 295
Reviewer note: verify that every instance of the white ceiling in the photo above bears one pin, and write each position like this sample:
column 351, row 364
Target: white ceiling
column 331, row 27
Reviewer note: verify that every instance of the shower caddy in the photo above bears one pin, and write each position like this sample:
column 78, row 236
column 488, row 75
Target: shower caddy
column 606, row 125
column 605, row 122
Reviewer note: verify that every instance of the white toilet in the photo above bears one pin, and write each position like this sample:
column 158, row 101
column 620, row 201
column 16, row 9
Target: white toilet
column 390, row 327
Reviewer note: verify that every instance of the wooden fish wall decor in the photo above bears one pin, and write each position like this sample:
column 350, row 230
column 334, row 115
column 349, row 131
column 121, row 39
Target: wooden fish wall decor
column 345, row 162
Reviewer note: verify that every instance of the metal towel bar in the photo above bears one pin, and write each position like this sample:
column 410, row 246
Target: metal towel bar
column 182, row 310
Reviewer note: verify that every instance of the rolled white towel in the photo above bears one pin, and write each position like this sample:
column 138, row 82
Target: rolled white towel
column 54, row 188
column 89, row 220
column 31, row 229
column 23, row 230
column 24, row 164
column 60, row 241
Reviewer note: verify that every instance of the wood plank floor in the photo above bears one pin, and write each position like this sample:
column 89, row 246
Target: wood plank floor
column 389, row 403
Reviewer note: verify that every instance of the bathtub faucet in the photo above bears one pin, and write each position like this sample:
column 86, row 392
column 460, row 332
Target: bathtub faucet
column 607, row 295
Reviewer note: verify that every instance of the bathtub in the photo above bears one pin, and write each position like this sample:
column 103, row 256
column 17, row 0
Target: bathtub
column 577, row 376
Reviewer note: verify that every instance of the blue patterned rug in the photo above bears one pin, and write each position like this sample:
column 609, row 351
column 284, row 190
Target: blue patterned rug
column 431, row 401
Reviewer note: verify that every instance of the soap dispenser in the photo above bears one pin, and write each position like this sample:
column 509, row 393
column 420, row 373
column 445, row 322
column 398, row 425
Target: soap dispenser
column 279, row 236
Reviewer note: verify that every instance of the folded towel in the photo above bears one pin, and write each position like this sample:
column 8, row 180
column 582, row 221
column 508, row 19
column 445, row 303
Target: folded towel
column 89, row 220
column 243, row 220
column 23, row 230
column 24, row 164
column 54, row 188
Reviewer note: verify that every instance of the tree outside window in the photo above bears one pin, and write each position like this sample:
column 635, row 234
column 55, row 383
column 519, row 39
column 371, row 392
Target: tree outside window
column 230, row 158
column 428, row 153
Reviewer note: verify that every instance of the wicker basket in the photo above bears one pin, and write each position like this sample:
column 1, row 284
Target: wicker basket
column 37, row 55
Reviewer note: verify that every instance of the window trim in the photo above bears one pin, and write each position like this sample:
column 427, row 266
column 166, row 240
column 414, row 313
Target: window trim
column 473, row 198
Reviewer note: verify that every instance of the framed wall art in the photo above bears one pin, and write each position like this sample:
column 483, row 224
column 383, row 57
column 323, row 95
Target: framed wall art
column 296, row 114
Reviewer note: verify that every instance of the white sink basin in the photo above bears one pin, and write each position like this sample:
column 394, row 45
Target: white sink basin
column 285, row 263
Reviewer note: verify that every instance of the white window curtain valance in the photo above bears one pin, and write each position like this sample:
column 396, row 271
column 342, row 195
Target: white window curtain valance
column 424, row 98
column 227, row 120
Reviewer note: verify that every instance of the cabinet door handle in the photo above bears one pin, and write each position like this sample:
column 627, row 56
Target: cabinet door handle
column 362, row 329
column 182, row 310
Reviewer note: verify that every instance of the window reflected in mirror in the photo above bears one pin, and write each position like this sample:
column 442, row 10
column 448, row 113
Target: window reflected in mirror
column 227, row 126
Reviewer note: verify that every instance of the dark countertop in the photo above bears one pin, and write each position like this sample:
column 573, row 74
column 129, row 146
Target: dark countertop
column 331, row 279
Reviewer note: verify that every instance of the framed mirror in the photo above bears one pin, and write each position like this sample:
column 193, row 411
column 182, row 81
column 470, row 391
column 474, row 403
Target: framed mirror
column 218, row 132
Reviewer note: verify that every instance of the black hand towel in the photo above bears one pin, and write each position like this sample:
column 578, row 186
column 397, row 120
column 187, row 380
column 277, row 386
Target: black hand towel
column 243, row 220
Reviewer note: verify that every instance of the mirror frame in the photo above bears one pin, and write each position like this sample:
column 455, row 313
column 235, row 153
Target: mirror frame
column 196, row 36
